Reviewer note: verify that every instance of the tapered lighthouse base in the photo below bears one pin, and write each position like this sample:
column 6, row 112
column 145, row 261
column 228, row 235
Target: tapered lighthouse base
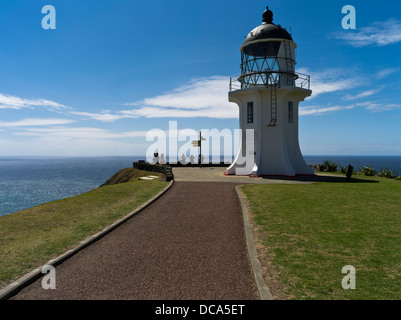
column 279, row 165
column 267, row 147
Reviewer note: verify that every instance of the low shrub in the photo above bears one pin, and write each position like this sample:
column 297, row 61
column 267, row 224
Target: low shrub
column 387, row 173
column 342, row 169
column 328, row 166
column 368, row 171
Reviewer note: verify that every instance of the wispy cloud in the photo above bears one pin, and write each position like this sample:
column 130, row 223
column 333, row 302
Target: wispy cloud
column 385, row 72
column 378, row 33
column 64, row 140
column 106, row 116
column 331, row 80
column 34, row 122
column 81, row 133
column 163, row 112
column 376, row 106
column 16, row 103
column 201, row 97
column 363, row 94
column 320, row 110
column 373, row 106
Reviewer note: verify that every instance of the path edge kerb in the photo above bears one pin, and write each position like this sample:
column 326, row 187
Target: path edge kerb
column 263, row 289
column 16, row 286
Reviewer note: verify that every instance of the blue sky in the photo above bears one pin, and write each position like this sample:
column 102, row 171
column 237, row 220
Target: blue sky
column 113, row 70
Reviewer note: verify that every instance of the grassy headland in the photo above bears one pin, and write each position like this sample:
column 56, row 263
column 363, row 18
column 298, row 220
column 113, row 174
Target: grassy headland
column 307, row 233
column 29, row 238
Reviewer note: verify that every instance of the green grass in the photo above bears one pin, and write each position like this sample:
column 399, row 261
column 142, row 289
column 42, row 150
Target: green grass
column 29, row 238
column 311, row 231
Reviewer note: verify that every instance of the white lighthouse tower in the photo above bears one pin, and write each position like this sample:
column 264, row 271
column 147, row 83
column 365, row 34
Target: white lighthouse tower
column 268, row 92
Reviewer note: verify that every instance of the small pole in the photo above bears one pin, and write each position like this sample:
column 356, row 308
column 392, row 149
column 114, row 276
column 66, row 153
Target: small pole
column 200, row 149
column 349, row 172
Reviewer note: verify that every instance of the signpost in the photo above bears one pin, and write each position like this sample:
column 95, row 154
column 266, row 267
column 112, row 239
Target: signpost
column 198, row 144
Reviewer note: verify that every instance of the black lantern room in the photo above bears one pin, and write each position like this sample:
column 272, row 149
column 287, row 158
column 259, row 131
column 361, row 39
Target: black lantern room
column 267, row 55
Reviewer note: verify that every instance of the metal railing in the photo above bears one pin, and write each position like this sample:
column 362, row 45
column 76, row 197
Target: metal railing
column 237, row 82
column 302, row 81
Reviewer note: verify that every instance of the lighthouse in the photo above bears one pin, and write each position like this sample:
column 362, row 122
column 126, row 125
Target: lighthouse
column 268, row 93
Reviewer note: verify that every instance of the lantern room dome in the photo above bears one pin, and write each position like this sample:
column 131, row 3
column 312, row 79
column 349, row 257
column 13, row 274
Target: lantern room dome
column 267, row 30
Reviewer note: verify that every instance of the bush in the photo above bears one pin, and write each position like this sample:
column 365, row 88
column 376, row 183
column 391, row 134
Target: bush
column 387, row 173
column 328, row 166
column 368, row 171
column 344, row 169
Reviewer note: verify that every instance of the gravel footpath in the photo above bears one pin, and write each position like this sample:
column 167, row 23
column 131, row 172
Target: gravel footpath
column 189, row 244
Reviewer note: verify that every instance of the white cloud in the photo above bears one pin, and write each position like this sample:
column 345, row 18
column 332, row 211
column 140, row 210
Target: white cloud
column 319, row 110
column 103, row 116
column 330, row 80
column 197, row 94
column 162, row 112
column 16, row 103
column 373, row 106
column 80, row 133
column 385, row 72
column 363, row 94
column 378, row 33
column 35, row 122
column 73, row 141
column 201, row 97
column 62, row 146
column 379, row 106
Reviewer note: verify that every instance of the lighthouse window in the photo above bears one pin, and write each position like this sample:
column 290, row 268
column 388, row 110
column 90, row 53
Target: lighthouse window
column 290, row 112
column 250, row 112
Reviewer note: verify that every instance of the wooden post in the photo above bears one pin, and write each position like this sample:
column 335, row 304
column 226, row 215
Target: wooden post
column 349, row 172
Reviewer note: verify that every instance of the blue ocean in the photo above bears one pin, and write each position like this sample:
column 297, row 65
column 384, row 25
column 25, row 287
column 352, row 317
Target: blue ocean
column 27, row 182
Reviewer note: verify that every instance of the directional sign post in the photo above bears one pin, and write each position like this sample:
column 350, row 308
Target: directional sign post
column 198, row 144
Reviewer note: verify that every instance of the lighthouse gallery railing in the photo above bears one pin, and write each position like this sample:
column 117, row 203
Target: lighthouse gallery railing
column 301, row 80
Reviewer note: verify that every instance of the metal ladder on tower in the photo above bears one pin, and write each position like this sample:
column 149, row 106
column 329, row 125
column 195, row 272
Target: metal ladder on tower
column 289, row 63
column 273, row 104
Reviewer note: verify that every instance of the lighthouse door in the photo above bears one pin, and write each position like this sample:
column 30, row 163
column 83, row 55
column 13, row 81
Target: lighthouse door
column 255, row 146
